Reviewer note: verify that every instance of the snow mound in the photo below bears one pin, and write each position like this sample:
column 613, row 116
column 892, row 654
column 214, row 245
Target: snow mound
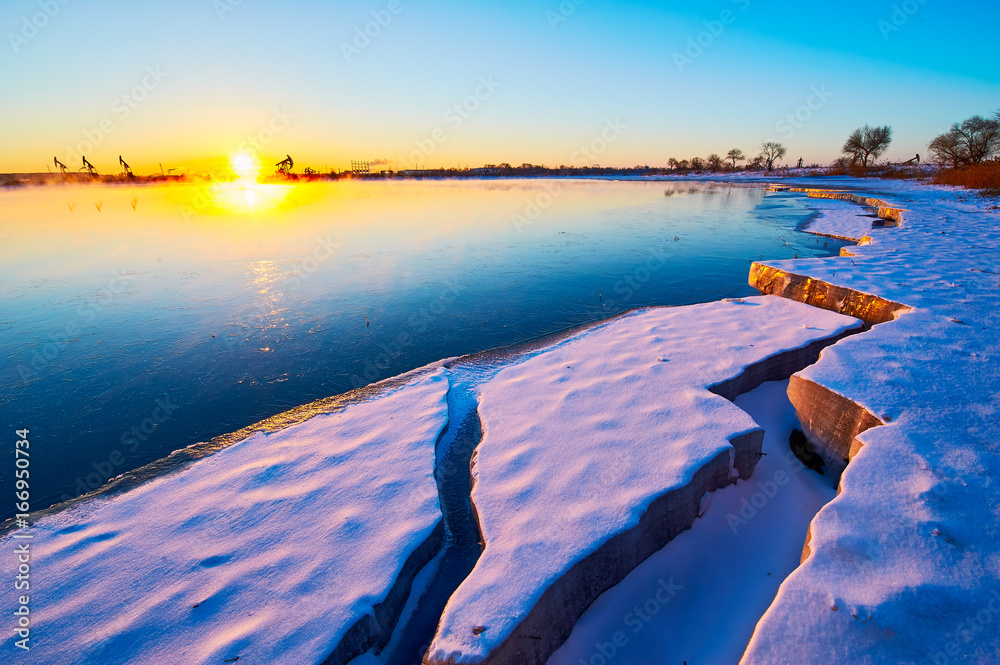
column 587, row 441
column 283, row 548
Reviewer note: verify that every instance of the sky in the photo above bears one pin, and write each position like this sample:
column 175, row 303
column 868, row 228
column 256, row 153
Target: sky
column 442, row 83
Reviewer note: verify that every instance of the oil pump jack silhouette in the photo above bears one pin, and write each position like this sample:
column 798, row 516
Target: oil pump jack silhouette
column 126, row 169
column 62, row 167
column 89, row 167
column 285, row 165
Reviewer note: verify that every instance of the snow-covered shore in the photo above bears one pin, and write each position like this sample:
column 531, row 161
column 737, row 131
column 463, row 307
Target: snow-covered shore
column 904, row 566
column 286, row 547
column 598, row 451
column 299, row 545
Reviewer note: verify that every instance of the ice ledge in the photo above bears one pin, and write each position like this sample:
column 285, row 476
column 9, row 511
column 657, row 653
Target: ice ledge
column 871, row 309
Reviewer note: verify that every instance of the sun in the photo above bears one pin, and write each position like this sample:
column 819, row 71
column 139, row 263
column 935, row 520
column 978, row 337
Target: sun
column 245, row 166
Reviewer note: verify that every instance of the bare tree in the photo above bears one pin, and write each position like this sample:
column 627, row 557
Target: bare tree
column 974, row 140
column 673, row 164
column 878, row 141
column 947, row 149
column 715, row 162
column 854, row 146
column 682, row 165
column 736, row 155
column 756, row 164
column 771, row 152
column 697, row 163
column 867, row 143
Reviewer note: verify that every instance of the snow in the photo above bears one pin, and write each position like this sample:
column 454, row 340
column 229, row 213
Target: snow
column 837, row 220
column 580, row 439
column 725, row 570
column 905, row 562
column 269, row 550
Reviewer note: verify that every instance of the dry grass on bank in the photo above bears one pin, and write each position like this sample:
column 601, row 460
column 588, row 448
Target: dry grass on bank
column 886, row 171
column 984, row 177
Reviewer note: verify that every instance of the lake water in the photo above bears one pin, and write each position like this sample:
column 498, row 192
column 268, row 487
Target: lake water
column 138, row 320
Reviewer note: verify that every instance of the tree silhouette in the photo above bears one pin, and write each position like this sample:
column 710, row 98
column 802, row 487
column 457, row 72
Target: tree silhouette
column 867, row 143
column 736, row 155
column 715, row 162
column 974, row 140
column 771, row 152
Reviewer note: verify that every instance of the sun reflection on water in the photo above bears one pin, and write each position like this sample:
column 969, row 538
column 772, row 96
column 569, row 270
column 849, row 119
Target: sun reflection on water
column 246, row 195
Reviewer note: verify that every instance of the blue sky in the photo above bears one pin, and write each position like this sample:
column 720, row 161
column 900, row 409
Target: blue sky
column 557, row 73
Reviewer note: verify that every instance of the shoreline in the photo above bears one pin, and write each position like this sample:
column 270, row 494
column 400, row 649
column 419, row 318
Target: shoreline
column 15, row 181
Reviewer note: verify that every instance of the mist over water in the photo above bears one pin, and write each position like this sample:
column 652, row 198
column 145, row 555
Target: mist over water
column 138, row 320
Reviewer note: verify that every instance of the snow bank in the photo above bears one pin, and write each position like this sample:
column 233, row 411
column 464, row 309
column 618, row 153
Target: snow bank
column 283, row 548
column 599, row 450
column 904, row 566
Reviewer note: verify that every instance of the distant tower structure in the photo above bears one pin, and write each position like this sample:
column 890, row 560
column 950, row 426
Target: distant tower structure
column 359, row 168
column 126, row 169
column 800, row 162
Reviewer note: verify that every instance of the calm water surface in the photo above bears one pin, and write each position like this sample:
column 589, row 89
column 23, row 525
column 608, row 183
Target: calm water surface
column 138, row 320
